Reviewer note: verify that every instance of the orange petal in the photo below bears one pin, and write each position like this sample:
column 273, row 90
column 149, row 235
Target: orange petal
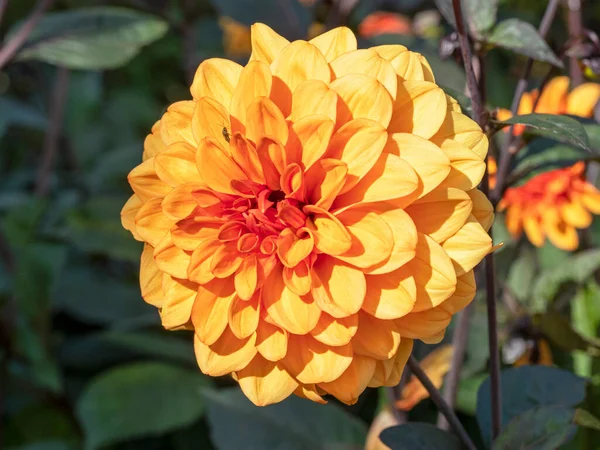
column 244, row 316
column 468, row 246
column 575, row 214
column 179, row 297
column 228, row 354
column 338, row 289
column 209, row 120
column 427, row 326
column 536, row 232
column 199, row 267
column 460, row 128
column 266, row 43
column 391, row 295
column 128, row 213
column 308, row 139
column 553, row 96
column 271, row 341
column 311, row 361
column 292, row 249
column 582, row 100
column 246, row 157
column 310, row 392
column 313, row 97
column 467, row 167
column 264, row 119
column 170, row 258
column 188, row 234
column 324, row 182
column 226, row 260
column 180, row 202
column 153, row 144
column 482, row 210
column 419, row 108
column 255, row 81
column 216, row 78
column 211, row 309
column 150, row 278
column 335, row 42
column 265, row 382
column 176, row 124
column 362, row 97
column 464, row 294
column 335, row 332
column 561, row 234
column 216, row 167
column 394, row 367
column 330, row 235
column 177, row 164
column 150, row 222
column 353, row 381
column 145, row 183
column 246, row 278
column 271, row 155
column 375, row 338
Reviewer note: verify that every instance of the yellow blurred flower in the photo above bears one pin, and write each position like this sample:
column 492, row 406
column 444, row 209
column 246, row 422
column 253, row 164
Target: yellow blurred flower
column 553, row 205
column 310, row 214
column 556, row 99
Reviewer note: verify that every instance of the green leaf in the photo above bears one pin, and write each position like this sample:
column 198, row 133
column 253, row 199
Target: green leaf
column 557, row 328
column 585, row 316
column 543, row 428
column 139, row 400
column 586, row 419
column 560, row 128
column 466, row 396
column 480, row 15
column 91, row 38
column 522, row 274
column 527, row 387
column 15, row 112
column 419, row 436
column 294, row 423
column 37, row 423
column 522, row 37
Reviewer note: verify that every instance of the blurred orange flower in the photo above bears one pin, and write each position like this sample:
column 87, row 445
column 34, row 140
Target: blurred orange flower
column 436, row 365
column 539, row 352
column 556, row 99
column 311, row 213
column 382, row 22
column 553, row 205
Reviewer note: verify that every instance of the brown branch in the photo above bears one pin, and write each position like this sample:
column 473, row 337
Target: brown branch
column 3, row 5
column 440, row 403
column 53, row 132
column 16, row 42
column 575, row 26
column 511, row 145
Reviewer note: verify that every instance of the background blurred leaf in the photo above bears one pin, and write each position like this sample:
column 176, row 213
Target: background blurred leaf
column 142, row 399
column 91, row 38
column 419, row 436
column 294, row 423
column 558, row 329
column 40, row 425
column 521, row 274
column 585, row 316
column 522, row 37
column 527, row 387
column 15, row 112
column 480, row 15
column 543, row 428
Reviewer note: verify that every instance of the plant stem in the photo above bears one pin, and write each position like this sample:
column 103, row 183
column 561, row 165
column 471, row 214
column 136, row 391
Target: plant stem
column 3, row 5
column 13, row 46
column 511, row 144
column 459, row 348
column 575, row 25
column 53, row 132
column 440, row 403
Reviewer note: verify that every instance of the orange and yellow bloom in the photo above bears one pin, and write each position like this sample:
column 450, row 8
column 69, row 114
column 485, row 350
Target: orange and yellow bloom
column 310, row 214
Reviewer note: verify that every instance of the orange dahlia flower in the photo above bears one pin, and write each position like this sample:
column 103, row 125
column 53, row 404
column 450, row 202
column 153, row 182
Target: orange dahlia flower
column 556, row 99
column 383, row 22
column 310, row 214
column 553, row 204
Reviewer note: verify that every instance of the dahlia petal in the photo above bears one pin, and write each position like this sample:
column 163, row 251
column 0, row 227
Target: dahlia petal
column 216, row 78
column 483, row 210
column 311, row 361
column 170, row 258
column 188, row 234
column 453, row 105
column 582, row 100
column 468, row 246
column 292, row 249
column 591, row 199
column 465, row 293
column 310, row 392
column 335, row 42
column 177, row 164
column 228, row 354
column 246, row 278
column 216, row 167
column 433, row 272
column 153, row 144
column 293, row 313
column 536, row 232
column 128, row 213
column 419, row 108
column 299, row 61
column 266, row 43
column 461, row 128
column 178, row 301
column 180, row 202
column 292, row 183
column 376, row 338
column 308, row 139
column 264, row 119
column 406, row 64
column 150, row 278
column 298, row 279
column 265, row 382
column 390, row 51
column 391, row 295
column 561, row 234
column 372, row 238
column 427, row 70
column 211, row 309
column 441, row 213
column 313, row 97
column 271, row 341
column 337, row 288
column 243, row 316
column 145, row 183
column 255, row 81
column 329, row 233
column 575, row 214
column 467, row 168
column 335, row 332
column 425, row 325
column 388, row 372
column 367, row 62
column 271, row 155
column 553, row 96
column 225, row 261
column 391, row 177
column 150, row 222
column 358, row 144
column 428, row 161
column 324, row 182
column 362, row 97
column 175, row 124
column 404, row 233
column 209, row 120
column 246, row 157
column 200, row 262
column 355, row 379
